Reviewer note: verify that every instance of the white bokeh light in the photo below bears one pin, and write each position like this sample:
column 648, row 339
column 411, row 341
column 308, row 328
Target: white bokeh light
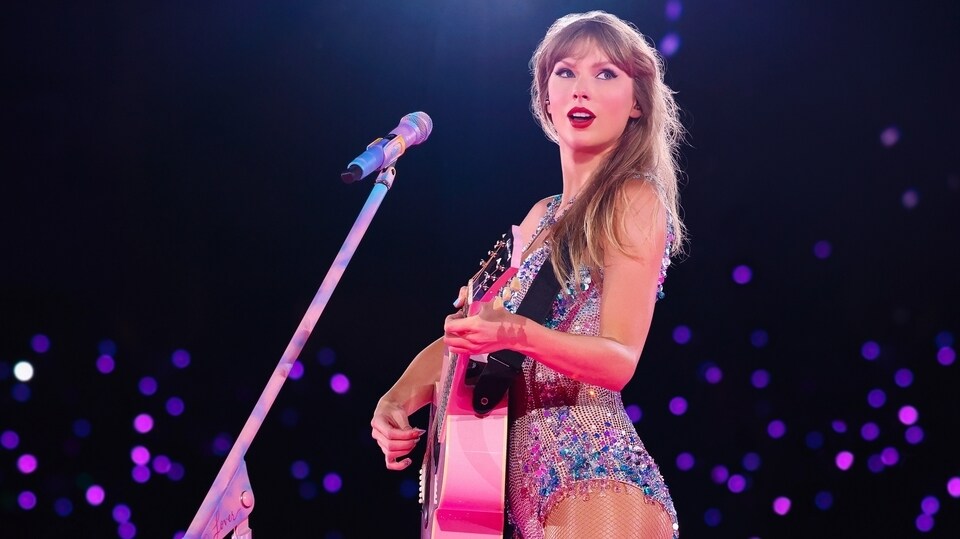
column 23, row 370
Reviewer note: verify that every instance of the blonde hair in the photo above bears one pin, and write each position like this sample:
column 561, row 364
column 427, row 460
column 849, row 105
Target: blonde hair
column 647, row 149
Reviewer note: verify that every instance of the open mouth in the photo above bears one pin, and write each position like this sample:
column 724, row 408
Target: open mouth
column 581, row 117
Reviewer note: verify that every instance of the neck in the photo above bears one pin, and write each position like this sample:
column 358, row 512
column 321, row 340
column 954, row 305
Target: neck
column 577, row 168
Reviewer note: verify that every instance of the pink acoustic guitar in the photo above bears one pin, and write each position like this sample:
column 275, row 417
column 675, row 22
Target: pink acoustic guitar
column 463, row 475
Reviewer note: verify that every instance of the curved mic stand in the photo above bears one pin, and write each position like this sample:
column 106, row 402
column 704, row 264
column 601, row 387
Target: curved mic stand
column 229, row 502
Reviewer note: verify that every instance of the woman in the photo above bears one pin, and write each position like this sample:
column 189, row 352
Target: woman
column 576, row 465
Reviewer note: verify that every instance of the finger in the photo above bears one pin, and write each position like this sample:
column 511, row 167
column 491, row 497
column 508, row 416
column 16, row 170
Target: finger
column 398, row 464
column 461, row 298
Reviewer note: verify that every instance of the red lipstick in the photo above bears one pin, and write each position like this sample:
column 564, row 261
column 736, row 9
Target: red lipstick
column 580, row 117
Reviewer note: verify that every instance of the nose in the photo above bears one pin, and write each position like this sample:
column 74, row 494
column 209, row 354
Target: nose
column 580, row 90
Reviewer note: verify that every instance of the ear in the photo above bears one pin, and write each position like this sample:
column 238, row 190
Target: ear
column 636, row 111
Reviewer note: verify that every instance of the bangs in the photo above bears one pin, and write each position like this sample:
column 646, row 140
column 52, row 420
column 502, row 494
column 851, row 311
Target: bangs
column 574, row 40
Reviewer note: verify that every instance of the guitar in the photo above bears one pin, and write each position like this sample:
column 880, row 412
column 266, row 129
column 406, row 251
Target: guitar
column 463, row 475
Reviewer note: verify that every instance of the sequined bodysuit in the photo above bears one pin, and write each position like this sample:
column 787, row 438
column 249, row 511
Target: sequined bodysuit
column 569, row 438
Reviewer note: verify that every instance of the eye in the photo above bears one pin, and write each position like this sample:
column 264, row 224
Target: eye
column 563, row 73
column 606, row 74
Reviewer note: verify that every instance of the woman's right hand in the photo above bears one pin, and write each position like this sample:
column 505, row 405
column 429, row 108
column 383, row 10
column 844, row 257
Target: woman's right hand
column 393, row 433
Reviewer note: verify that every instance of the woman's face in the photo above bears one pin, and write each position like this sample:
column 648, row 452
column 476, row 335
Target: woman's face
column 591, row 100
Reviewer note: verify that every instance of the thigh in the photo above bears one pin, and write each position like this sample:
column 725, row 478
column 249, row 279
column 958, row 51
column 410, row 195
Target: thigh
column 612, row 514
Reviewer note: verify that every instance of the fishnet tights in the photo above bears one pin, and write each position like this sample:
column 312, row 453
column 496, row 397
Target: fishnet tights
column 609, row 515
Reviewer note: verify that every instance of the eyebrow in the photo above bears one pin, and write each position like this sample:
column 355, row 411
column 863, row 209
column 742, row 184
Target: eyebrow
column 571, row 61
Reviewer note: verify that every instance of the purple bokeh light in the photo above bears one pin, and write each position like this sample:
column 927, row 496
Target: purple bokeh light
column 914, row 435
column 908, row 415
column 27, row 500
column 839, row 426
column 9, row 440
column 737, row 483
column 673, row 10
column 175, row 406
column 876, row 398
column 634, row 412
column 180, row 359
column 924, row 523
column 147, row 385
column 910, row 199
column 759, row 338
column 751, row 462
column 339, row 383
column 299, row 469
column 107, row 347
column 308, row 490
column 930, row 505
column 890, row 136
column 82, row 428
column 20, row 392
column 27, row 464
column 105, row 364
column 953, row 487
column 40, row 343
column 326, row 356
column 670, row 44
column 776, row 429
column 332, row 483
column 781, row 505
column 140, row 455
column 63, row 507
column 176, row 472
column 95, row 495
column 221, row 444
column 760, row 378
column 890, row 456
column 121, row 513
column 143, row 423
column 140, row 473
column 126, row 530
column 685, row 461
column 946, row 356
column 678, row 406
column 719, row 474
column 823, row 500
column 822, row 249
column 682, row 334
column 742, row 274
column 162, row 464
column 713, row 374
column 870, row 350
column 712, row 517
column 903, row 378
column 296, row 371
column 814, row 440
column 844, row 460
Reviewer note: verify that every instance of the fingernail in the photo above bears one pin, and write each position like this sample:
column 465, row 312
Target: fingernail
column 458, row 302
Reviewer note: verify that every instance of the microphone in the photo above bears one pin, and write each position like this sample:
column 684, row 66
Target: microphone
column 413, row 129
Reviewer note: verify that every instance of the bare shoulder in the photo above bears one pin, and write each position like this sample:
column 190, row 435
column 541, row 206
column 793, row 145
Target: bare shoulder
column 642, row 216
column 529, row 224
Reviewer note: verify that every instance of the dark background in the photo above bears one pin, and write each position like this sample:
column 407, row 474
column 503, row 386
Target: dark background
column 170, row 181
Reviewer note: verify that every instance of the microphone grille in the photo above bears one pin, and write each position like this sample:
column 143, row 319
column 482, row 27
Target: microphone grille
column 422, row 126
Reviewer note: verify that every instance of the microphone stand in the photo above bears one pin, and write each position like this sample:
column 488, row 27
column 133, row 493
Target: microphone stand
column 229, row 502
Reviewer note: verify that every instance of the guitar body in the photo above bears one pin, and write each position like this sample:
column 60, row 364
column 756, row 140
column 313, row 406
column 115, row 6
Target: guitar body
column 463, row 476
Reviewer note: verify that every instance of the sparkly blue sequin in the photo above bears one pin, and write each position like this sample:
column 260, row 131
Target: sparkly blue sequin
column 569, row 438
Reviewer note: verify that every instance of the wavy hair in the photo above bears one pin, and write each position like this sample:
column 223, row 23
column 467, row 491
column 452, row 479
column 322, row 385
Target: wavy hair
column 647, row 149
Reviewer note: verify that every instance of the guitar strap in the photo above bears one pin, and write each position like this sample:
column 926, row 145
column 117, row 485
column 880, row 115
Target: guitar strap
column 503, row 365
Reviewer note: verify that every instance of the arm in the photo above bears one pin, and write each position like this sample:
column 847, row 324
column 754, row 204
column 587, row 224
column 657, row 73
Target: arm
column 626, row 309
column 412, row 391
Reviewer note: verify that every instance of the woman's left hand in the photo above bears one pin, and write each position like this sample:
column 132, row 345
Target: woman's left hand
column 492, row 328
